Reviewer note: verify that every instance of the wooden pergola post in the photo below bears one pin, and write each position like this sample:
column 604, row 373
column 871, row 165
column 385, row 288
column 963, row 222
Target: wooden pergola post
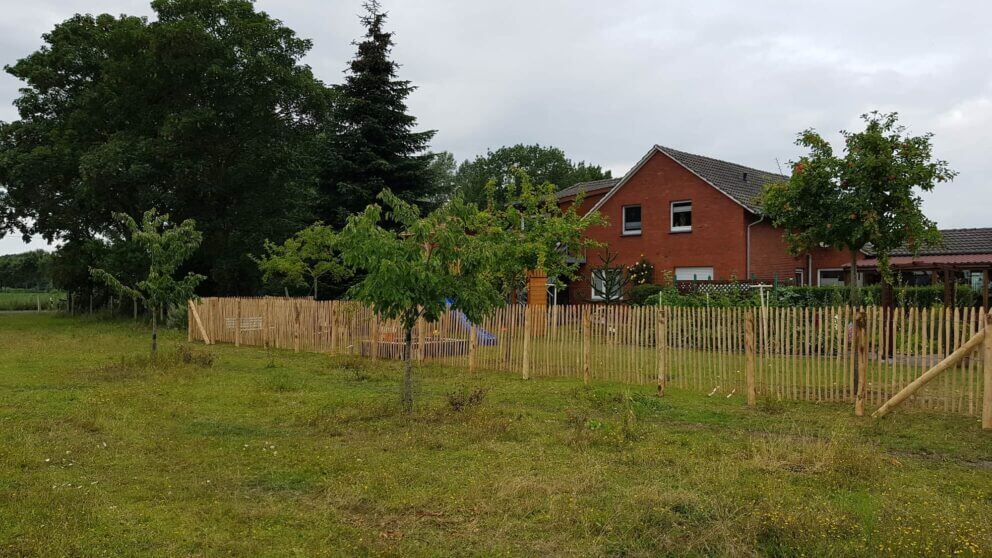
column 985, row 290
column 948, row 288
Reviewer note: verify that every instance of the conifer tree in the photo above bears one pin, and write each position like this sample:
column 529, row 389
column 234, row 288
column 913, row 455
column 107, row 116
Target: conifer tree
column 374, row 145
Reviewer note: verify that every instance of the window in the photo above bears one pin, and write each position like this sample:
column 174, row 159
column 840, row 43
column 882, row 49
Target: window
column 799, row 276
column 830, row 277
column 631, row 220
column 693, row 273
column 600, row 284
column 681, row 216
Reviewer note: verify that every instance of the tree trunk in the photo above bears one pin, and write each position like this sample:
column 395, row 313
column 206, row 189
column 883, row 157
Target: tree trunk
column 407, row 390
column 154, row 333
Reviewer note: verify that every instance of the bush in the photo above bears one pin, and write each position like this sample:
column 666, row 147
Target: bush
column 803, row 297
column 463, row 399
column 638, row 296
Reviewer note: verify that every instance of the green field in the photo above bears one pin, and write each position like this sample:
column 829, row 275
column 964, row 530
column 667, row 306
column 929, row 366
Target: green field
column 17, row 299
column 103, row 453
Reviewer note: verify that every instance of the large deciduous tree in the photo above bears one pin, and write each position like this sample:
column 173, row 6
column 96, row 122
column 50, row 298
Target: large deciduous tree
column 205, row 112
column 373, row 142
column 869, row 195
column 499, row 170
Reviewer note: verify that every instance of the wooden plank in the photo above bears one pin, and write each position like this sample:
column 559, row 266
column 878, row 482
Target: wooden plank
column 526, row 352
column 947, row 363
column 752, row 396
column 199, row 323
column 661, row 340
column 861, row 350
column 987, row 373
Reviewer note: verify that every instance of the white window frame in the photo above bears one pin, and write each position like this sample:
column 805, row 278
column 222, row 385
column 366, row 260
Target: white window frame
column 695, row 276
column 671, row 216
column 801, row 273
column 592, row 286
column 623, row 220
column 819, row 274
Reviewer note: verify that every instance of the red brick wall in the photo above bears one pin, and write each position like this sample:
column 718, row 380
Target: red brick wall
column 716, row 240
column 770, row 257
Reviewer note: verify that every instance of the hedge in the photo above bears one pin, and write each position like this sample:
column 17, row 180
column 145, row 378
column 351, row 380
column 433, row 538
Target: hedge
column 919, row 297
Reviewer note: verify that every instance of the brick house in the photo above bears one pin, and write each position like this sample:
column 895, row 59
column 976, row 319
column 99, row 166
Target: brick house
column 695, row 217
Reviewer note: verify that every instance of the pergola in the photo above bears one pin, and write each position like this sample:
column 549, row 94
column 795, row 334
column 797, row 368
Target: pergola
column 945, row 266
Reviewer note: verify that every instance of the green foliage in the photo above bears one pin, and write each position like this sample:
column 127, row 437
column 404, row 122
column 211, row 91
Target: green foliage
column 165, row 246
column 373, row 144
column 639, row 294
column 28, row 270
column 809, row 297
column 203, row 111
column 304, row 259
column 641, row 272
column 868, row 196
column 502, row 168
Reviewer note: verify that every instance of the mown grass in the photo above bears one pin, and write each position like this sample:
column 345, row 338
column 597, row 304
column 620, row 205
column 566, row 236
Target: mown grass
column 216, row 451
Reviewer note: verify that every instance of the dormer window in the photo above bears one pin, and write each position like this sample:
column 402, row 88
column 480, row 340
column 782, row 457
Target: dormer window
column 681, row 216
column 631, row 220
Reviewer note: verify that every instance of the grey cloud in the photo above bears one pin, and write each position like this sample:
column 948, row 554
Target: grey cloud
column 605, row 81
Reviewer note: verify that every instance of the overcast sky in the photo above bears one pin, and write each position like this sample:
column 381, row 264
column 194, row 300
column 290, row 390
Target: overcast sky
column 606, row 80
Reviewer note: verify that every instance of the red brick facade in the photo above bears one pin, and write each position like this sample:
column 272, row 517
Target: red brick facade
column 718, row 238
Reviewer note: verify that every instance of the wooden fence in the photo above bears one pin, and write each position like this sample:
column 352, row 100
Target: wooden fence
column 794, row 353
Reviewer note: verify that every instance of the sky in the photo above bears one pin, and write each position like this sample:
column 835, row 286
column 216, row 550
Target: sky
column 607, row 80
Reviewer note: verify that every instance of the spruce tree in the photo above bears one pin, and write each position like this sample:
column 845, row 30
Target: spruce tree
column 374, row 145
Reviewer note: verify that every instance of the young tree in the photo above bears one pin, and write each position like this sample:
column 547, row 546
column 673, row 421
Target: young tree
column 304, row 259
column 203, row 111
column 410, row 274
column 613, row 278
column 166, row 246
column 374, row 144
column 870, row 195
column 456, row 252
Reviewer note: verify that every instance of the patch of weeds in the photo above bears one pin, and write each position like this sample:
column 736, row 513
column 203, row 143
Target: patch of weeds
column 187, row 354
column 837, row 458
column 604, row 417
column 333, row 420
column 465, row 398
column 282, row 382
column 770, row 405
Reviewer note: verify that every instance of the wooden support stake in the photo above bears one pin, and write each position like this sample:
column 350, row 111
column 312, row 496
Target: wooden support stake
column 586, row 342
column 752, row 395
column 661, row 339
column 526, row 355
column 987, row 367
column 237, row 324
column 471, row 348
column 861, row 363
column 296, row 327
column 199, row 323
column 949, row 362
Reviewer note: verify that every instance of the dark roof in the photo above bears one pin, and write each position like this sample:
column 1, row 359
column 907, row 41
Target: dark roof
column 727, row 177
column 955, row 241
column 591, row 187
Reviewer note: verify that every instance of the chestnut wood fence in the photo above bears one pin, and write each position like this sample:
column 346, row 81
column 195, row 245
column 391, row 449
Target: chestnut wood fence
column 788, row 353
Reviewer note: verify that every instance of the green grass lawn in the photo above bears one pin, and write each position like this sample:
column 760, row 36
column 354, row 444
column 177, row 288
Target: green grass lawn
column 102, row 453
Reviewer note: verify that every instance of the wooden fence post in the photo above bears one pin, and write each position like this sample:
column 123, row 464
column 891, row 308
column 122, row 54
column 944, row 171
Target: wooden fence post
column 661, row 339
column 752, row 394
column 987, row 367
column 586, row 342
column 189, row 321
column 237, row 323
column 860, row 363
column 471, row 348
column 526, row 355
column 374, row 338
column 296, row 327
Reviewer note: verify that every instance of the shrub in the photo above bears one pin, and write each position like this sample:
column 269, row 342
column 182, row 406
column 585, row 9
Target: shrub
column 198, row 357
column 638, row 295
column 463, row 399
